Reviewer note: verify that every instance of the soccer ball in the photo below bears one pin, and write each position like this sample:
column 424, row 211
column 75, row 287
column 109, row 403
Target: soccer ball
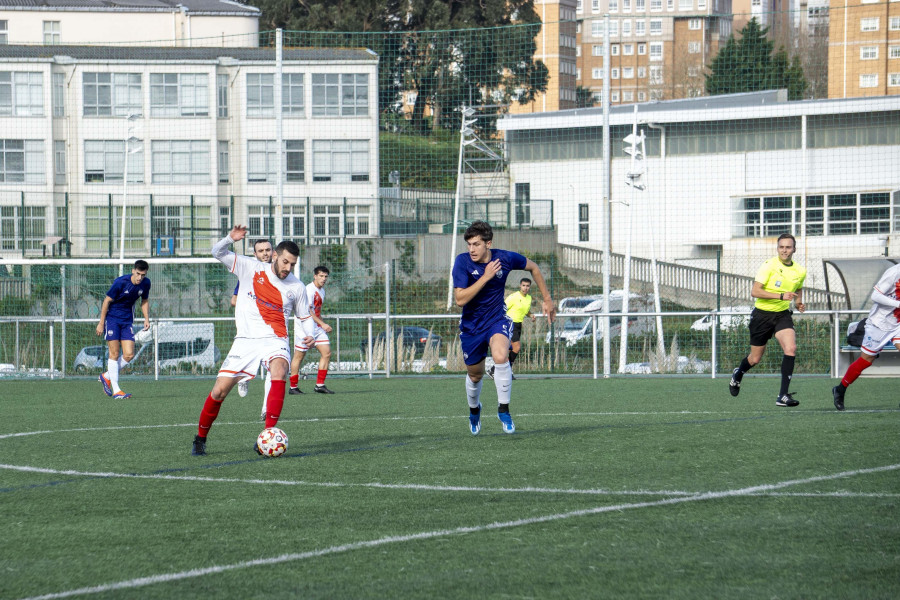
column 272, row 442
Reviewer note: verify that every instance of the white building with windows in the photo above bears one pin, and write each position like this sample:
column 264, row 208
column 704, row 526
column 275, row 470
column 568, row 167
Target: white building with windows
column 723, row 174
column 164, row 22
column 199, row 127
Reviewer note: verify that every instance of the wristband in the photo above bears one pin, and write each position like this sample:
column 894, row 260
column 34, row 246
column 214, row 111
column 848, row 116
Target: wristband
column 782, row 296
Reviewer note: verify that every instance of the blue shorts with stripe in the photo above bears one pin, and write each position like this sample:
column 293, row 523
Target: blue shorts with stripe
column 475, row 346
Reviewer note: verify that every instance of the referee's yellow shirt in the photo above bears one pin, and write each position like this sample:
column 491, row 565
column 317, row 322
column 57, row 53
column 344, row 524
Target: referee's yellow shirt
column 517, row 306
column 777, row 277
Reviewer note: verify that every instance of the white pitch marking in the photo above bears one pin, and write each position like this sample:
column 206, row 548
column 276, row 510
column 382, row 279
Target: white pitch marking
column 167, row 577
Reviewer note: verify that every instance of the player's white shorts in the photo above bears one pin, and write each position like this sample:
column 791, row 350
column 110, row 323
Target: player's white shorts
column 246, row 353
column 876, row 339
column 319, row 337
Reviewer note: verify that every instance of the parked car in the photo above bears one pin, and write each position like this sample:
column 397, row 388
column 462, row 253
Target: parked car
column 726, row 322
column 179, row 344
column 572, row 329
column 411, row 335
column 91, row 357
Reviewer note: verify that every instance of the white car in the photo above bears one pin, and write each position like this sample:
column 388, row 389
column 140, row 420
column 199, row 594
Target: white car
column 572, row 329
column 727, row 321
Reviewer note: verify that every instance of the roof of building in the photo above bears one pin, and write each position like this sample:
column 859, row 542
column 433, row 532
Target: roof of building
column 748, row 105
column 191, row 6
column 59, row 53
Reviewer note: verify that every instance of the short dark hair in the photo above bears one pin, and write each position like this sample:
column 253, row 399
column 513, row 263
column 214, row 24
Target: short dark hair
column 523, row 280
column 321, row 269
column 288, row 246
column 141, row 265
column 481, row 228
column 261, row 241
column 787, row 236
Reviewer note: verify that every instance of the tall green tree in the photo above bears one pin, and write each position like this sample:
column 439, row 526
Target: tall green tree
column 751, row 64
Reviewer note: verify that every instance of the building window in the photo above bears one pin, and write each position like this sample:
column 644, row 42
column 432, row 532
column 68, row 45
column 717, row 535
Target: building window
column 869, row 24
column 613, row 5
column 894, row 52
column 340, row 94
column 179, row 95
column 642, row 72
column 294, row 219
column 97, row 227
column 640, row 5
column 21, row 161
column 327, row 224
column 292, row 94
column 261, row 223
column 868, row 53
column 893, row 79
column 58, row 94
column 614, row 97
column 614, row 50
column 655, row 5
column 613, row 28
column 261, row 165
column 868, row 80
column 670, row 4
column 104, row 162
column 597, row 50
column 597, row 73
column 340, row 160
column 656, row 50
column 583, row 223
column 693, row 23
column 260, row 95
column 640, row 28
column 4, row 32
column 51, row 32
column 627, row 49
column 642, row 96
column 693, row 47
column 356, row 221
column 685, row 4
column 826, row 214
column 656, row 76
column 176, row 222
column 224, row 162
column 22, row 227
column 21, row 94
column 222, row 96
column 627, row 72
column 180, row 161
column 894, row 24
column 595, row 5
column 693, row 71
column 614, row 73
column 112, row 94
column 626, row 28
column 626, row 5
column 655, row 26
column 294, row 165
column 642, row 49
column 59, row 162
column 627, row 96
column 523, row 203
column 224, row 220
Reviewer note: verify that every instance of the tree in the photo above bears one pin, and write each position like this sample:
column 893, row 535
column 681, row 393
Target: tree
column 749, row 64
column 584, row 97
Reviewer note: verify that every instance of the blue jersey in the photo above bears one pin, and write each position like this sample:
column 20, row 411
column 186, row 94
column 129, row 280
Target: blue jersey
column 123, row 294
column 488, row 306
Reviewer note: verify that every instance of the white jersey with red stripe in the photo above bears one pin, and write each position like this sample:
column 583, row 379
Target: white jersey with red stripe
column 316, row 297
column 884, row 317
column 265, row 302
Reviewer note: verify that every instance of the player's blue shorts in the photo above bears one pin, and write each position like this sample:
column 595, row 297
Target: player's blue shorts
column 476, row 346
column 119, row 330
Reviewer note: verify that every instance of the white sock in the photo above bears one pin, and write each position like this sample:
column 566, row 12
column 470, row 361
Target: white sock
column 473, row 392
column 503, row 382
column 122, row 361
column 113, row 372
column 266, row 387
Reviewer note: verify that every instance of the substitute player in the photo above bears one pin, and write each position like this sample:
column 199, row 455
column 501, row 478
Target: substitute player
column 261, row 317
column 479, row 279
column 117, row 320
column 778, row 282
column 882, row 326
column 315, row 293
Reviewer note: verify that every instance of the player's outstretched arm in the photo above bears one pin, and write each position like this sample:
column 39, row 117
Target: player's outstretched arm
column 547, row 305
column 220, row 249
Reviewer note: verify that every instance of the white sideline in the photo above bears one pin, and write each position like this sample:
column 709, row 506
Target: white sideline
column 167, row 577
column 4, row 436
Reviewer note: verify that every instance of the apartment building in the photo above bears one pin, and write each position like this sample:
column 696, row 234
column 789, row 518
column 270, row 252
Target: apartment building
column 186, row 140
column 864, row 48
column 658, row 48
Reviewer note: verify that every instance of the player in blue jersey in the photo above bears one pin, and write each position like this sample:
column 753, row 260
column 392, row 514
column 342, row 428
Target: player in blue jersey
column 479, row 281
column 117, row 319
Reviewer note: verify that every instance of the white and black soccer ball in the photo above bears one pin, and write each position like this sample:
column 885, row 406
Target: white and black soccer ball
column 272, row 442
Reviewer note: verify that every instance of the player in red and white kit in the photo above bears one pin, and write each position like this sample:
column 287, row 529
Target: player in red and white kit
column 262, row 318
column 315, row 294
column 882, row 326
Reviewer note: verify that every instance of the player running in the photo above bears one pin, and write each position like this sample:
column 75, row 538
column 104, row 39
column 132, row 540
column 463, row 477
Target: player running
column 117, row 320
column 882, row 326
column 261, row 318
column 315, row 293
column 479, row 279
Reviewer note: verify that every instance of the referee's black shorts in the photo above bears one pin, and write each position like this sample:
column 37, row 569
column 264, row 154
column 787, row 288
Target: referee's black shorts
column 764, row 324
column 517, row 332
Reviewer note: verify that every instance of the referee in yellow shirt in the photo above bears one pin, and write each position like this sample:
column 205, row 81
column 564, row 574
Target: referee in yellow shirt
column 518, row 306
column 778, row 282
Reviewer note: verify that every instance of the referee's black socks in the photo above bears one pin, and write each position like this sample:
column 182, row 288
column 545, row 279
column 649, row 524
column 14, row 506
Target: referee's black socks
column 787, row 371
column 512, row 357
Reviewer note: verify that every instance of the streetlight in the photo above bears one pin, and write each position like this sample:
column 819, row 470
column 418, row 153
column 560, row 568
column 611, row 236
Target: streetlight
column 466, row 134
column 129, row 139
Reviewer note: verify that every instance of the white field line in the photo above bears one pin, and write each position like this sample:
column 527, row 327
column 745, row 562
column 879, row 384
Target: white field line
column 426, row 535
column 4, row 436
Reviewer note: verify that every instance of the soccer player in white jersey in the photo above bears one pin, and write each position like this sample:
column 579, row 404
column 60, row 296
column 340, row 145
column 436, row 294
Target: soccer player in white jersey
column 262, row 250
column 261, row 318
column 882, row 326
column 315, row 293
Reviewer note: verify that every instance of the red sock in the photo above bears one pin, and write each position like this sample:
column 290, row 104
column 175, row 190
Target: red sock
column 274, row 402
column 853, row 371
column 320, row 378
column 208, row 415
column 295, row 379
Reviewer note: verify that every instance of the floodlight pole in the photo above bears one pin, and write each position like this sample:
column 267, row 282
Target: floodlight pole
column 128, row 129
column 626, row 277
column 464, row 123
column 607, row 205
